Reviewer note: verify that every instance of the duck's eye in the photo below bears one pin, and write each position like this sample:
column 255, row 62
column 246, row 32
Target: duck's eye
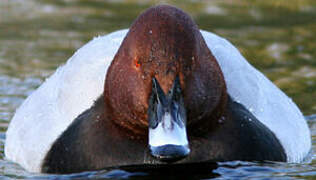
column 137, row 64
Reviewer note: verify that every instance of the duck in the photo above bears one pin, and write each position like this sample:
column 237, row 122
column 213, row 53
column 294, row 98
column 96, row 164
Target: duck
column 161, row 92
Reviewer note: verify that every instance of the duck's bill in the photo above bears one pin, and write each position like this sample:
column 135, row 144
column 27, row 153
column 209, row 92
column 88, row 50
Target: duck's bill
column 167, row 124
column 168, row 143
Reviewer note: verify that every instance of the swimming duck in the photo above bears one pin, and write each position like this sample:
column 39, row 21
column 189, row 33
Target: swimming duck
column 160, row 92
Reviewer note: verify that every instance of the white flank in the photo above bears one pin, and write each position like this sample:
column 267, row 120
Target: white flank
column 265, row 100
column 73, row 88
column 49, row 110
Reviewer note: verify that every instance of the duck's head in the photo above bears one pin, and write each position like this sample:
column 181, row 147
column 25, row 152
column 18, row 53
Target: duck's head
column 164, row 83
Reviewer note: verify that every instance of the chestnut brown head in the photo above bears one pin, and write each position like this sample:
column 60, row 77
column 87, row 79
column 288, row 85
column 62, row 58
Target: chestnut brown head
column 163, row 45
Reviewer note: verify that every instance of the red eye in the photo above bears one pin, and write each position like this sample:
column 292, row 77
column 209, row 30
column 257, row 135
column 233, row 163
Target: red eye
column 137, row 64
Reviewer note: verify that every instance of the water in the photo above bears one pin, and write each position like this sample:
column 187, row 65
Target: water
column 277, row 37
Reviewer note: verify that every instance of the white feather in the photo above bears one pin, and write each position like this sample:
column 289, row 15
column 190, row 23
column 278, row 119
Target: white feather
column 49, row 110
column 73, row 88
column 266, row 101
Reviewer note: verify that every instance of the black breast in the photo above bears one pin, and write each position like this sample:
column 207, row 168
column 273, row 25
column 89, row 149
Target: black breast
column 92, row 142
column 239, row 136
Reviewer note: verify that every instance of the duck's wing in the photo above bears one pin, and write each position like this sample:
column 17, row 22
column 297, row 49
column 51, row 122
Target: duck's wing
column 51, row 108
column 259, row 95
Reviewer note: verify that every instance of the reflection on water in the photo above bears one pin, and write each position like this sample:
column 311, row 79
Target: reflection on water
column 277, row 37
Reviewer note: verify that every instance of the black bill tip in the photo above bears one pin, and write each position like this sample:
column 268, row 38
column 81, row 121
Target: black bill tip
column 169, row 152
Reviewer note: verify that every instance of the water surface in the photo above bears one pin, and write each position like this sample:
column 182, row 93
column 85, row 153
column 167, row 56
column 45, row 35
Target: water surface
column 277, row 37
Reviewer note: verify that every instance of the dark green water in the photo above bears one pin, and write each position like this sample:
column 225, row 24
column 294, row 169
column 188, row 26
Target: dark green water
column 277, row 37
